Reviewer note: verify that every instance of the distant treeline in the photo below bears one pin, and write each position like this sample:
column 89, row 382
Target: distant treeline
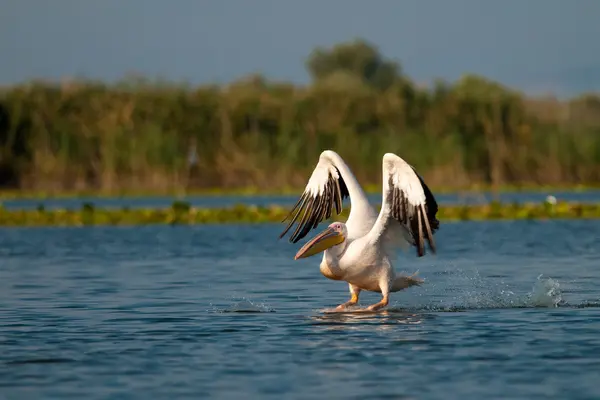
column 139, row 135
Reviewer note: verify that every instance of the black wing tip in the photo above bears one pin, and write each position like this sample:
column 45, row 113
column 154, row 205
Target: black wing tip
column 344, row 193
column 419, row 219
column 430, row 204
column 317, row 208
column 430, row 210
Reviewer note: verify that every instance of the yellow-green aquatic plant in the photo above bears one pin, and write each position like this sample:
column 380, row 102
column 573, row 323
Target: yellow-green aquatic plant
column 184, row 213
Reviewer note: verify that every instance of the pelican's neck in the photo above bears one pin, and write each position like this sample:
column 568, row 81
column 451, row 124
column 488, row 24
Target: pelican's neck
column 332, row 255
column 330, row 265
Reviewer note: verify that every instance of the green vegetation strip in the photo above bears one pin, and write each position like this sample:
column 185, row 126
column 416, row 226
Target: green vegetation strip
column 183, row 213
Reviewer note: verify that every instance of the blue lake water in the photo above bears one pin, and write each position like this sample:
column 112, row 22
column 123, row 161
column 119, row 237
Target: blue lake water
column 287, row 200
column 509, row 310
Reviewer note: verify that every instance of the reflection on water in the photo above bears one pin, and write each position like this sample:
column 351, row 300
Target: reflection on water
column 382, row 320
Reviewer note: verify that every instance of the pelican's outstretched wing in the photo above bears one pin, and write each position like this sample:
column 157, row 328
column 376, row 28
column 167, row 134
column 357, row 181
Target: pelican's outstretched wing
column 325, row 189
column 406, row 199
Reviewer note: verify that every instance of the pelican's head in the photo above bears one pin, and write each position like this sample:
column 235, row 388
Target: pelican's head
column 334, row 235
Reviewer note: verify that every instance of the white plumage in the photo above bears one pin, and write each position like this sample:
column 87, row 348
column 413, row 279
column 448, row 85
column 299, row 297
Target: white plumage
column 361, row 251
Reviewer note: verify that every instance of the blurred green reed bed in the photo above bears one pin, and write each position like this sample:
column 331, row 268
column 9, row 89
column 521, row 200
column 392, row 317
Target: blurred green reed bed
column 183, row 213
column 141, row 136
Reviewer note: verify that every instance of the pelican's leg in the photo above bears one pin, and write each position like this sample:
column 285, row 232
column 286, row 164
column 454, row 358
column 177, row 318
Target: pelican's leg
column 354, row 292
column 385, row 293
column 384, row 302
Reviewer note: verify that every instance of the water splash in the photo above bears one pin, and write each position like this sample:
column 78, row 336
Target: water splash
column 461, row 290
column 244, row 305
column 545, row 293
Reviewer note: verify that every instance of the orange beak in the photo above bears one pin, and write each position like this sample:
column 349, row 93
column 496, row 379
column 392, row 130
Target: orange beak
column 324, row 240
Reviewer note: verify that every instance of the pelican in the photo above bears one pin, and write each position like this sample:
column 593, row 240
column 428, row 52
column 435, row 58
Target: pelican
column 360, row 251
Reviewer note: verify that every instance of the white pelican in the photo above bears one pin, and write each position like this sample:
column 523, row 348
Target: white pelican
column 360, row 251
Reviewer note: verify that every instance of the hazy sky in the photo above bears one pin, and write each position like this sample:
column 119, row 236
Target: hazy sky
column 537, row 45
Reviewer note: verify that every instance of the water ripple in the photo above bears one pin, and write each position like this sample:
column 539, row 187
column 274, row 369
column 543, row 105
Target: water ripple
column 222, row 312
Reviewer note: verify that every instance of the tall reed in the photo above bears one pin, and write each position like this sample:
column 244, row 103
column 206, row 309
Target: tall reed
column 139, row 135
